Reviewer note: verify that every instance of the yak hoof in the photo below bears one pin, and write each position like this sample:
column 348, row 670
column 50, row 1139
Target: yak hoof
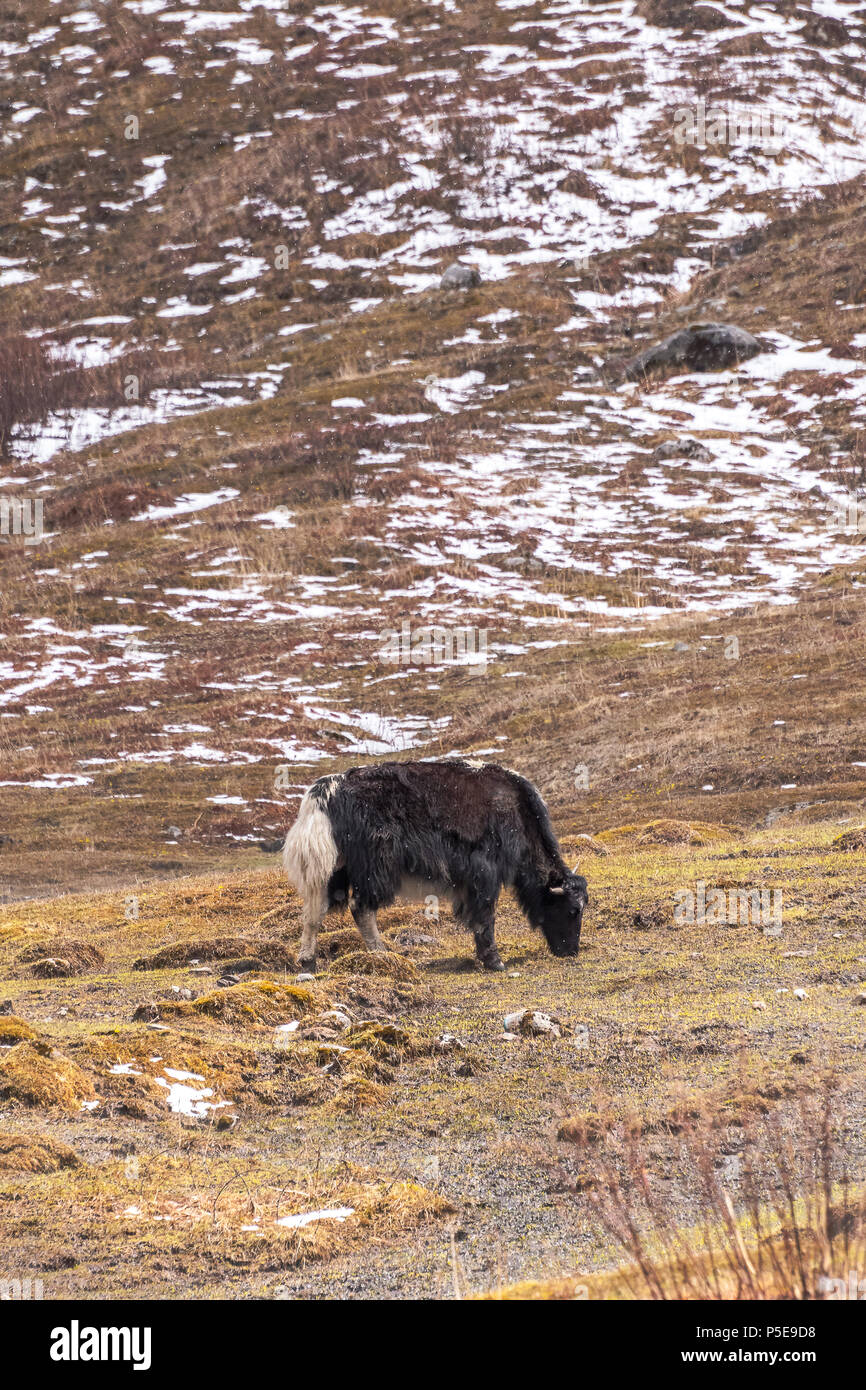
column 493, row 963
column 308, row 967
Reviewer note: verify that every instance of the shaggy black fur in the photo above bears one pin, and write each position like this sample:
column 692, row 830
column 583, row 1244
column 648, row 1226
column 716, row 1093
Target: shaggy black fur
column 465, row 830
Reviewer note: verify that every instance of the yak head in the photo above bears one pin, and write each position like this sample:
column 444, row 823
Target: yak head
column 565, row 899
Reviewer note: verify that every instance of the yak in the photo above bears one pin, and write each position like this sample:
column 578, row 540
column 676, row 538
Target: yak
column 450, row 828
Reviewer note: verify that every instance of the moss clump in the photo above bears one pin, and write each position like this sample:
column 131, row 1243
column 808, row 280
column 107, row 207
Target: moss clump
column 59, row 959
column 387, row 1042
column 247, row 1004
column 35, row 1153
column 555, row 1290
column 382, row 963
column 272, row 953
column 14, row 1030
column 37, row 1074
column 668, row 832
column 359, row 1093
column 339, row 943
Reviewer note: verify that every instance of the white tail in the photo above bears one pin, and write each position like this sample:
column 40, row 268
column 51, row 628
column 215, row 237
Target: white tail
column 310, row 852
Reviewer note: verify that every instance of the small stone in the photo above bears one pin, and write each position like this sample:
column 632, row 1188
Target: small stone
column 304, row 977
column 759, row 1005
column 682, row 449
column 532, row 1023
column 800, row 994
column 336, row 1018
column 200, row 970
column 158, row 1028
column 860, row 998
column 460, row 277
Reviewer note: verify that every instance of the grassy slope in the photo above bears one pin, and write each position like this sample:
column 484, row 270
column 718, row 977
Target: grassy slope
column 670, row 1023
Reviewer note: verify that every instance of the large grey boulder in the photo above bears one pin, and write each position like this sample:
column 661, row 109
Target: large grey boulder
column 460, row 277
column 702, row 347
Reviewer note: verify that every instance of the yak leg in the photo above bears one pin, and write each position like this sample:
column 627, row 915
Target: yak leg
column 315, row 907
column 485, row 941
column 365, row 921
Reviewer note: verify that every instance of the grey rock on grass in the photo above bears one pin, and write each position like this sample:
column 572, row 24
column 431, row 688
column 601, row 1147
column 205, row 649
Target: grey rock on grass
column 460, row 277
column 702, row 347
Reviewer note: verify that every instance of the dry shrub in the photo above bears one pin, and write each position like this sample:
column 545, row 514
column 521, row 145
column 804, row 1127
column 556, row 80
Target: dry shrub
column 31, row 384
column 787, row 1223
column 116, row 501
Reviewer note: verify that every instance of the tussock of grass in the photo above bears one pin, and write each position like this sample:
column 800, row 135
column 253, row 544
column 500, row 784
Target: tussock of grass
column 381, row 963
column 271, row 953
column 37, row 1074
column 668, row 832
column 250, row 1003
column 57, row 959
column 850, row 840
column 15, row 1030
column 32, row 1153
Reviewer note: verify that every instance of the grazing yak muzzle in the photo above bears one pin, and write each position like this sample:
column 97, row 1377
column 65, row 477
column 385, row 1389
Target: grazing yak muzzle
column 563, row 915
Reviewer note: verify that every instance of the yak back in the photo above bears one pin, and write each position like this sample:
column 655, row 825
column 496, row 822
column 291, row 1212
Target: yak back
column 439, row 821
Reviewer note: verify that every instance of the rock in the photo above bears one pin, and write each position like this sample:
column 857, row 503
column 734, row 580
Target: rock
column 684, row 14
column 6, row 1006
column 682, row 449
column 860, row 998
column 460, row 277
column 414, row 938
column 681, row 647
column 759, row 1005
column 5, row 841
column 531, row 1023
column 52, row 968
column 702, row 347
column 174, row 832
column 304, row 977
column 800, row 994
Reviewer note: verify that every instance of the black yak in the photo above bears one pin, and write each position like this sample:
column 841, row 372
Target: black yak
column 459, row 831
